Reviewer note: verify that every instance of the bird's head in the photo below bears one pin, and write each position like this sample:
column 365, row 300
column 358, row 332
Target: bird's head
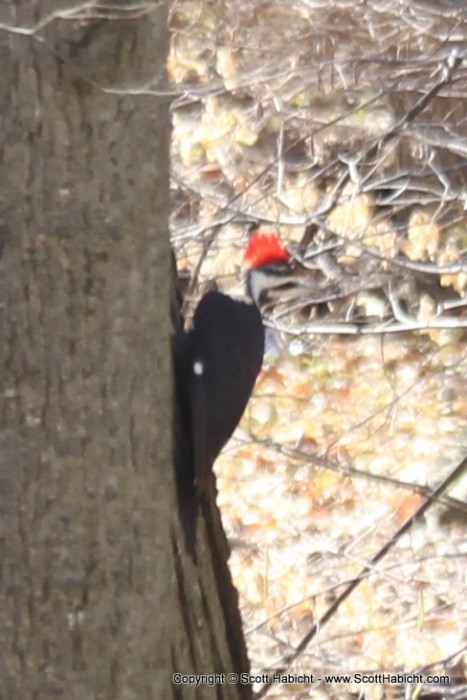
column 269, row 271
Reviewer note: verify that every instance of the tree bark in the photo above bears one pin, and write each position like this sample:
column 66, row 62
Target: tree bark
column 95, row 587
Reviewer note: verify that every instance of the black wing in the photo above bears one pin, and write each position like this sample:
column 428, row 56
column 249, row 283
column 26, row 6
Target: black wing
column 226, row 346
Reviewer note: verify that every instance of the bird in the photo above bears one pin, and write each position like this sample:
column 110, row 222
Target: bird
column 219, row 358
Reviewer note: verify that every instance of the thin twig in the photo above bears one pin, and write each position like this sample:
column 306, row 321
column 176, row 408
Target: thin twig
column 407, row 525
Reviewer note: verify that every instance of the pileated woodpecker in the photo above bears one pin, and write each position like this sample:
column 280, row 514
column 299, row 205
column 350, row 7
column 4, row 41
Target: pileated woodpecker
column 218, row 360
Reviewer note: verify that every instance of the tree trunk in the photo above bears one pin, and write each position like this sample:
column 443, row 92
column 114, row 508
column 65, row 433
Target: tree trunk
column 98, row 597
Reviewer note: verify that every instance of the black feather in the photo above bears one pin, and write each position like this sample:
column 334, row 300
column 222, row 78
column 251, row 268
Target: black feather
column 225, row 347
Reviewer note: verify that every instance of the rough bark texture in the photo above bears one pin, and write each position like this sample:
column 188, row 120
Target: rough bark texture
column 85, row 361
column 98, row 596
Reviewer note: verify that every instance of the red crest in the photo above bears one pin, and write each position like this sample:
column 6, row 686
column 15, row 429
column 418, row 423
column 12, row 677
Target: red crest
column 264, row 249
